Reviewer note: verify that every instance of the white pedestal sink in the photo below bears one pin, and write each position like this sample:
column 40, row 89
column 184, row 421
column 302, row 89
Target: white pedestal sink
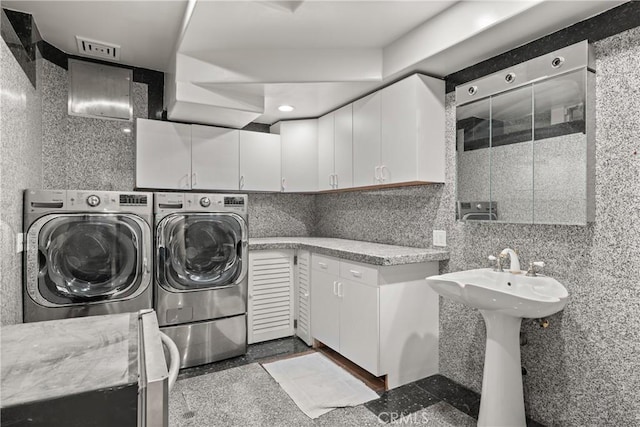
column 503, row 299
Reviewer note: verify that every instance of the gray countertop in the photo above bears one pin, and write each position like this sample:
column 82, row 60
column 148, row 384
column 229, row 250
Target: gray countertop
column 47, row 360
column 352, row 250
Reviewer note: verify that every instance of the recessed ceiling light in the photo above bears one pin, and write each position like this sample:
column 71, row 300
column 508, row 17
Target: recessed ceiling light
column 285, row 108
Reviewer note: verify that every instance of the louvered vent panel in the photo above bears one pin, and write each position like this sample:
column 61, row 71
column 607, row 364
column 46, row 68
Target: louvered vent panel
column 304, row 292
column 270, row 291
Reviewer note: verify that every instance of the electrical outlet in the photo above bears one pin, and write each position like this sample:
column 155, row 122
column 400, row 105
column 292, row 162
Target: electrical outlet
column 439, row 238
column 19, row 242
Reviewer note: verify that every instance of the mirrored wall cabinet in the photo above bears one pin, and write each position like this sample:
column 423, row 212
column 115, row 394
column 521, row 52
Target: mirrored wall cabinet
column 526, row 142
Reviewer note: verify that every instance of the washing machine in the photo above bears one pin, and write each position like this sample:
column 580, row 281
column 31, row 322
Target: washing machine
column 87, row 253
column 201, row 279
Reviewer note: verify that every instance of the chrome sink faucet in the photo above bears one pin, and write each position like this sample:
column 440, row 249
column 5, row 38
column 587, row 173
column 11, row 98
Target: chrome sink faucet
column 513, row 256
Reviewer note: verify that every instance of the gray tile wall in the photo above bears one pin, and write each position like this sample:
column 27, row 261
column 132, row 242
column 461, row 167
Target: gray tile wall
column 86, row 153
column 20, row 168
column 81, row 152
column 583, row 369
column 272, row 215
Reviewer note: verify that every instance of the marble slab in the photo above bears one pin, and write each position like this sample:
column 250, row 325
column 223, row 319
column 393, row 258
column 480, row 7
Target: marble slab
column 49, row 360
column 353, row 250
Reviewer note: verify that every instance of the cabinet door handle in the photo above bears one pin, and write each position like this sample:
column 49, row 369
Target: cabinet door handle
column 382, row 174
column 336, row 180
column 194, row 179
column 340, row 295
column 335, row 285
column 376, row 173
column 241, row 182
column 331, row 180
column 186, row 180
column 355, row 273
column 323, row 265
column 283, row 184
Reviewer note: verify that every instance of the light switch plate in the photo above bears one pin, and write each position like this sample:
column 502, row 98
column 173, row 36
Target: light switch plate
column 439, row 238
column 19, row 242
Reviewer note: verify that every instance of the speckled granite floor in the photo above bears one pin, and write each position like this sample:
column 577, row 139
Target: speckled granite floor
column 239, row 392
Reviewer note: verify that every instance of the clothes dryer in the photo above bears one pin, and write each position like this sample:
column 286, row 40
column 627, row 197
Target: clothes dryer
column 201, row 266
column 87, row 253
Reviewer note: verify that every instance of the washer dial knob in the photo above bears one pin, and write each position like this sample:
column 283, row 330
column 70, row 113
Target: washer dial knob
column 93, row 200
column 205, row 202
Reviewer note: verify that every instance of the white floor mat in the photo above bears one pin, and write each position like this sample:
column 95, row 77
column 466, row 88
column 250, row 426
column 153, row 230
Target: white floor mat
column 317, row 385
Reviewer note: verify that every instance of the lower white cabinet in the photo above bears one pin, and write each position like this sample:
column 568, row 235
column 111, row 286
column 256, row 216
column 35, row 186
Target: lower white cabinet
column 382, row 318
column 271, row 284
column 359, row 324
column 345, row 313
column 325, row 309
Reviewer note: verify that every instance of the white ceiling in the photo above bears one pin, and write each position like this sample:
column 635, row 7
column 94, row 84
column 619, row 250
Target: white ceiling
column 252, row 56
column 146, row 30
column 306, row 24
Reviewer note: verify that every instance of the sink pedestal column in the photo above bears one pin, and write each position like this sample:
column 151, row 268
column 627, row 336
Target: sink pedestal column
column 502, row 400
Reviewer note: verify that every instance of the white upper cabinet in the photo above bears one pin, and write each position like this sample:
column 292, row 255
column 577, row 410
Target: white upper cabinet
column 398, row 133
column 393, row 136
column 335, row 149
column 412, row 131
column 260, row 161
column 299, row 139
column 343, row 147
column 326, row 125
column 215, row 154
column 366, row 140
column 163, row 155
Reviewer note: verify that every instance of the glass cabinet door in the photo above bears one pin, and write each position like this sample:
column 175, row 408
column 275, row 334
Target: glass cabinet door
column 512, row 155
column 560, row 150
column 473, row 132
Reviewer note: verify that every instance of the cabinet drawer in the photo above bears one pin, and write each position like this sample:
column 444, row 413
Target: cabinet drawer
column 326, row 264
column 359, row 273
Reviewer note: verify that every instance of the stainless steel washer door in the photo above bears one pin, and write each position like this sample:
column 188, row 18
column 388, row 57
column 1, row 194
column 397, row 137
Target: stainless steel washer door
column 83, row 258
column 198, row 251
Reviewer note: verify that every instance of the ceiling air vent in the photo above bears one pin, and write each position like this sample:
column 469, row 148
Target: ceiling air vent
column 98, row 49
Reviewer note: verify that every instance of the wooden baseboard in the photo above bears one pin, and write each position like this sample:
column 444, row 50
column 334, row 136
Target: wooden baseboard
column 377, row 384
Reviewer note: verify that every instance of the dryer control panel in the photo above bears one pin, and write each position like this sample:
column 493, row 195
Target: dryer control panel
column 165, row 203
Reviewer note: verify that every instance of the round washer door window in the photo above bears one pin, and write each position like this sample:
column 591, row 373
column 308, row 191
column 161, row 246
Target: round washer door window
column 198, row 251
column 89, row 257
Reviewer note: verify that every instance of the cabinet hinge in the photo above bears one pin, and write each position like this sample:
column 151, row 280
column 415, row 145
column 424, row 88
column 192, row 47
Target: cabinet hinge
column 295, row 260
column 295, row 323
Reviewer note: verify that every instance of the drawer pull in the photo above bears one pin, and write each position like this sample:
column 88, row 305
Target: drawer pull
column 355, row 273
column 340, row 294
column 335, row 284
column 323, row 265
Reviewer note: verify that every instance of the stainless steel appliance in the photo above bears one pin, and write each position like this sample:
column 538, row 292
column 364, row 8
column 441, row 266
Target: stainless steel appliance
column 87, row 253
column 201, row 275
column 99, row 371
